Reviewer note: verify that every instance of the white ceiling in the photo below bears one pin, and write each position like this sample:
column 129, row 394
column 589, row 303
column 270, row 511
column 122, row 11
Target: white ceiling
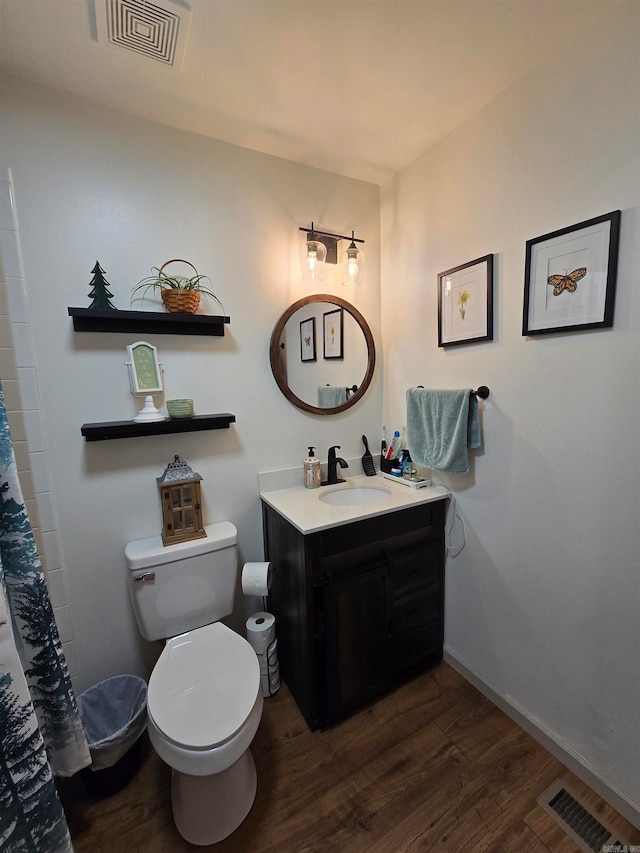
column 358, row 87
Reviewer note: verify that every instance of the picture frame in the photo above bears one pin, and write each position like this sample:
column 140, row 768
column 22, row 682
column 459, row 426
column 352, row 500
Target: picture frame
column 333, row 333
column 145, row 375
column 308, row 339
column 570, row 277
column 465, row 303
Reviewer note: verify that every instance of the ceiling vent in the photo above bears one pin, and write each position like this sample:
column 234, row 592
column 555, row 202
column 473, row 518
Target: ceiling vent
column 155, row 30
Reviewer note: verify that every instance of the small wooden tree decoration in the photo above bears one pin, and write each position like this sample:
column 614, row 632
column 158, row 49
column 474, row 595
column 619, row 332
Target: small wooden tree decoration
column 181, row 503
column 100, row 292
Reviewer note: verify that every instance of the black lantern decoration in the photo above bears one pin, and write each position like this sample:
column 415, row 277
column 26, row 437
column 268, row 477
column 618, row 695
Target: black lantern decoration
column 181, row 503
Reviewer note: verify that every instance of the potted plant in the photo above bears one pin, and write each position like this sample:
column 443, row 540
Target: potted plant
column 179, row 293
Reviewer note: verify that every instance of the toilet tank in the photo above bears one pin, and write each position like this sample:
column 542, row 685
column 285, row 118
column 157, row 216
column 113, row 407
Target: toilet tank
column 184, row 586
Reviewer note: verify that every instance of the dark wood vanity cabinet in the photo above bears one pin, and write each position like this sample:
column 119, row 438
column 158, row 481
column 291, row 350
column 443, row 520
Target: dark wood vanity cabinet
column 358, row 607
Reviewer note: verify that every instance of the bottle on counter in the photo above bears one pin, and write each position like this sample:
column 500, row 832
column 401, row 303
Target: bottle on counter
column 312, row 476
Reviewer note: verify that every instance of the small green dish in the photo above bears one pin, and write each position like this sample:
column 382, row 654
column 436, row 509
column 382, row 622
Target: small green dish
column 180, row 408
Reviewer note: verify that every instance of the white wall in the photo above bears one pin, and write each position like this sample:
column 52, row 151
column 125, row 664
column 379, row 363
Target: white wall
column 90, row 185
column 543, row 603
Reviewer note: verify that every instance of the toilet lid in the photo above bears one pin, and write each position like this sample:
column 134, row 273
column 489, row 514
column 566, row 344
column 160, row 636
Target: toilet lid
column 204, row 686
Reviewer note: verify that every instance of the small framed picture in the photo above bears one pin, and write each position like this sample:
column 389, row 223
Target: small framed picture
column 465, row 303
column 570, row 277
column 308, row 339
column 332, row 324
column 145, row 376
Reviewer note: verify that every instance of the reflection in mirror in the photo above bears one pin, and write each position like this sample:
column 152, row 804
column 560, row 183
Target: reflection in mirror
column 322, row 357
column 324, row 383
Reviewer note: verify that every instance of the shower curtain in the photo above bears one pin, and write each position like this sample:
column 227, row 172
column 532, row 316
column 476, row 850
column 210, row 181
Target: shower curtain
column 41, row 734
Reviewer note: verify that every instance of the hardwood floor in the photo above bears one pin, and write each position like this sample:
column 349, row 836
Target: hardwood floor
column 432, row 767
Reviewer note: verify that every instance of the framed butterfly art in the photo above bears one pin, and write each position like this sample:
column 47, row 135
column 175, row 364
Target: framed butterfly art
column 570, row 277
column 308, row 339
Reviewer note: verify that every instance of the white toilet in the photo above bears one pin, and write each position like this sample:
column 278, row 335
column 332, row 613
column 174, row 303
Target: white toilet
column 204, row 698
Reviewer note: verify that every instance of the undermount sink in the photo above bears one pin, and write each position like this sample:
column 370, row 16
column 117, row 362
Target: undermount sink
column 354, row 495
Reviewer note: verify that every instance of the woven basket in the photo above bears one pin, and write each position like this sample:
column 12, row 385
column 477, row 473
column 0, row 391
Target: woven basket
column 180, row 301
column 184, row 301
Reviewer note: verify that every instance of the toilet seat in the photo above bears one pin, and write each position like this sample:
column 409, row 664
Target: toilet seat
column 203, row 687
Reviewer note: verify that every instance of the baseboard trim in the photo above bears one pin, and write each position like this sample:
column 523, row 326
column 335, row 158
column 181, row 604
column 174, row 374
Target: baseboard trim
column 551, row 742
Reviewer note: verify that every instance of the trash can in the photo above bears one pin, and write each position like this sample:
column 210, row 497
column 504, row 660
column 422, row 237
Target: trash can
column 114, row 715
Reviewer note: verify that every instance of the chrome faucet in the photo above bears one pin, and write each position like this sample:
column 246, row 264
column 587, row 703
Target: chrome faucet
column 332, row 467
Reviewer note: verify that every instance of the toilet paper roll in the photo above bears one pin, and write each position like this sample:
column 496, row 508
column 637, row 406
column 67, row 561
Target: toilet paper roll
column 270, row 683
column 256, row 578
column 267, row 666
column 269, row 660
column 261, row 631
column 269, row 670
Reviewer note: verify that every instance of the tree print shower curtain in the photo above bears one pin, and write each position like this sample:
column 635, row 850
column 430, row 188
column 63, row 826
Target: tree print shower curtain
column 41, row 734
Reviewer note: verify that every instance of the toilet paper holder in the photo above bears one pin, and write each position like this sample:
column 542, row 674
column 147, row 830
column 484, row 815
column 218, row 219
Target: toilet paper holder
column 261, row 634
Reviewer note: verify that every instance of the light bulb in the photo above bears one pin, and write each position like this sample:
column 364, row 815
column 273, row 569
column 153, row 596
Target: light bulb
column 311, row 260
column 352, row 266
column 312, row 257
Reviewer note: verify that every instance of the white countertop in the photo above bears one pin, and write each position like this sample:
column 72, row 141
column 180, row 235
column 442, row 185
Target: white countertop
column 304, row 509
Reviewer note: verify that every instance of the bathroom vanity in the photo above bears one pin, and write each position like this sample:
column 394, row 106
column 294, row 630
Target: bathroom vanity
column 357, row 591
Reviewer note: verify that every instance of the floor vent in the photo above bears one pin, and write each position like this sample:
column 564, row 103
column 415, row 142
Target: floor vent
column 157, row 30
column 577, row 821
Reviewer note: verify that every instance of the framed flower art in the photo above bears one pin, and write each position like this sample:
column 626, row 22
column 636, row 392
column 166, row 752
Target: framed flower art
column 465, row 303
column 333, row 325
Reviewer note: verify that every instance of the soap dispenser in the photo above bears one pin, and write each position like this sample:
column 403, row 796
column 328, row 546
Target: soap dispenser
column 312, row 477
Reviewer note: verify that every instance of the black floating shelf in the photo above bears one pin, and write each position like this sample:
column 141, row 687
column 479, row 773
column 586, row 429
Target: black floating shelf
column 157, row 322
column 129, row 429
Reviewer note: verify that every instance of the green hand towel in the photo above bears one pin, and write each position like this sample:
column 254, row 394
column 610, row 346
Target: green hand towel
column 330, row 396
column 441, row 425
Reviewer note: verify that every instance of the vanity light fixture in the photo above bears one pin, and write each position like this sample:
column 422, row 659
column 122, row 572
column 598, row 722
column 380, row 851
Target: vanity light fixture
column 321, row 247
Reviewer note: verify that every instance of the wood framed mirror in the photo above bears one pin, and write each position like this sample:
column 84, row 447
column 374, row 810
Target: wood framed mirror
column 322, row 354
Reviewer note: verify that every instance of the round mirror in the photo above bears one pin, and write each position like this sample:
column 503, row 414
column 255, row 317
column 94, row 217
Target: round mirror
column 322, row 354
